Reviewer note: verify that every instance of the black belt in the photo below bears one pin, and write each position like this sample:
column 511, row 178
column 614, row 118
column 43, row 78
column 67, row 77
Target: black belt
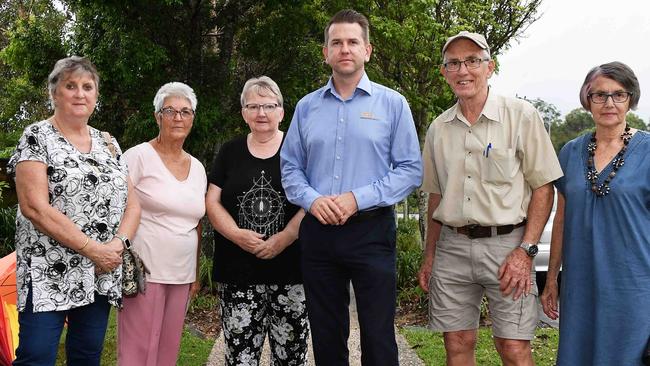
column 365, row 215
column 478, row 231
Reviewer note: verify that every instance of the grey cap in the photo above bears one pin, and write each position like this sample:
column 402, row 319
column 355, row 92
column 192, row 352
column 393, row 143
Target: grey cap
column 474, row 37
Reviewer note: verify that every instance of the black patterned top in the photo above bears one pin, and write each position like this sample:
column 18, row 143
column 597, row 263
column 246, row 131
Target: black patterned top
column 252, row 193
column 89, row 188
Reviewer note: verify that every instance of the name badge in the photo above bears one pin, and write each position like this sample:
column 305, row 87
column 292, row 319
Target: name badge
column 368, row 115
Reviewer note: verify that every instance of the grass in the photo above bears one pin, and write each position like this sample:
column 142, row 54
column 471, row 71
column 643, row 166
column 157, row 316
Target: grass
column 430, row 348
column 194, row 350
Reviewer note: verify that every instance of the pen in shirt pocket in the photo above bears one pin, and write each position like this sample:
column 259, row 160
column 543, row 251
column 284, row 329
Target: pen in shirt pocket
column 487, row 150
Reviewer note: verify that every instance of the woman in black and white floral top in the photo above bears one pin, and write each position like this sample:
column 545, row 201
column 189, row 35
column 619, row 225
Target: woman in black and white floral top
column 76, row 210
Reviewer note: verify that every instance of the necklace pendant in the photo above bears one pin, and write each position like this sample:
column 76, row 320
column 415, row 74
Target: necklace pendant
column 592, row 176
column 618, row 162
column 591, row 147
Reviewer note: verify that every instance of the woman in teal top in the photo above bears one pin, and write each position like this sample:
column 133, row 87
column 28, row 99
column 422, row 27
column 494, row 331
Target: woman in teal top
column 601, row 232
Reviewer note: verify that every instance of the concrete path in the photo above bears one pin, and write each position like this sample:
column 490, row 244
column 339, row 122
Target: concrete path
column 407, row 356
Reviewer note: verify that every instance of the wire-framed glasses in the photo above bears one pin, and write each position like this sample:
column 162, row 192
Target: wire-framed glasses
column 171, row 113
column 470, row 63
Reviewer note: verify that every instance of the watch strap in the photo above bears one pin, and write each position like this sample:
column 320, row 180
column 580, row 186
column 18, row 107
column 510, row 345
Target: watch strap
column 530, row 249
column 124, row 239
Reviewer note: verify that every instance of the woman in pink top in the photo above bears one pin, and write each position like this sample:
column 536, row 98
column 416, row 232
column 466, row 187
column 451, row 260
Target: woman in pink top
column 171, row 186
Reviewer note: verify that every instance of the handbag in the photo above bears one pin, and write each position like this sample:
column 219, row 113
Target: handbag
column 134, row 271
column 134, row 274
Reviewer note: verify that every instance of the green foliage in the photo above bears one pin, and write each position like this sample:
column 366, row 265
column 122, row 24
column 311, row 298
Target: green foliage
column 430, row 347
column 32, row 43
column 205, row 274
column 7, row 224
column 194, row 350
column 7, row 229
column 409, row 257
column 204, row 302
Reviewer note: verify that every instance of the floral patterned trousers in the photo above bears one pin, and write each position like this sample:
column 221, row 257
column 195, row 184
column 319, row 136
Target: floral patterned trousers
column 251, row 312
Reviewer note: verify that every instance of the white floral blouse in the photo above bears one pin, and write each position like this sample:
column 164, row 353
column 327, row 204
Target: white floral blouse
column 89, row 188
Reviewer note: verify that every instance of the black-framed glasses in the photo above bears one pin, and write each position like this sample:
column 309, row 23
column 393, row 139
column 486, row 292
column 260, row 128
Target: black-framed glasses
column 617, row 97
column 470, row 63
column 171, row 113
column 267, row 107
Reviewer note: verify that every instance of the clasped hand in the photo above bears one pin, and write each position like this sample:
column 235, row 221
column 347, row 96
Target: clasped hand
column 254, row 243
column 107, row 256
column 334, row 210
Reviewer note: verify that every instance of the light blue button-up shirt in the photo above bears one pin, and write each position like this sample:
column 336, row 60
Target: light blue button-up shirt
column 366, row 144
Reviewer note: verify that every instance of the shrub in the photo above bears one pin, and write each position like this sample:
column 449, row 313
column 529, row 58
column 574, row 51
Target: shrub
column 7, row 225
column 7, row 230
column 409, row 256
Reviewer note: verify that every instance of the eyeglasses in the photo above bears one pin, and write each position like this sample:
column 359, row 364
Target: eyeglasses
column 171, row 113
column 470, row 63
column 255, row 108
column 617, row 97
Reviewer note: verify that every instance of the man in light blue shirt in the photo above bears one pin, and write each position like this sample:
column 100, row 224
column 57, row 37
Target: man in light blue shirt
column 351, row 152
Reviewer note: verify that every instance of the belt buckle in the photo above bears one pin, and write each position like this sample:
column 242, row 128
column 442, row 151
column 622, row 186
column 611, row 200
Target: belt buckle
column 470, row 231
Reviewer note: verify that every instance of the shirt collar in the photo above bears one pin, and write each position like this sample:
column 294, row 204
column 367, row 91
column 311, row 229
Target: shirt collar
column 364, row 84
column 490, row 110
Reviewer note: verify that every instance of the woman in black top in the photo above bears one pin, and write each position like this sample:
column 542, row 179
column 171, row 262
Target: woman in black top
column 257, row 254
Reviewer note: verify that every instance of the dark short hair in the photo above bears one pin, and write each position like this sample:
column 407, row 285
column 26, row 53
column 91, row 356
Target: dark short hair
column 67, row 66
column 617, row 71
column 349, row 16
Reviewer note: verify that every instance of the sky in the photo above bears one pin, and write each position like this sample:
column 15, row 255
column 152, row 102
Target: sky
column 553, row 57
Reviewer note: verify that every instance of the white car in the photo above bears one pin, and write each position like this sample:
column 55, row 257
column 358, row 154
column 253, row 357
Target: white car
column 544, row 245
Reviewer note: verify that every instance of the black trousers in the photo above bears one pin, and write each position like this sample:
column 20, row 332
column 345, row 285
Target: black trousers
column 362, row 252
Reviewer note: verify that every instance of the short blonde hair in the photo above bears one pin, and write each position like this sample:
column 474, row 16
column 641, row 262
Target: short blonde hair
column 264, row 86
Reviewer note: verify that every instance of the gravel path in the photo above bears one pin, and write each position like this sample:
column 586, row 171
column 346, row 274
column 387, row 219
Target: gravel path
column 407, row 356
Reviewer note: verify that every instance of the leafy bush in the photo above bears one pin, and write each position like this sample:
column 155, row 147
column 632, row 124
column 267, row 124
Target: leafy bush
column 205, row 274
column 7, row 230
column 409, row 256
column 7, row 225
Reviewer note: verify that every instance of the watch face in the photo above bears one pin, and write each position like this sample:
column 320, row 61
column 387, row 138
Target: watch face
column 532, row 250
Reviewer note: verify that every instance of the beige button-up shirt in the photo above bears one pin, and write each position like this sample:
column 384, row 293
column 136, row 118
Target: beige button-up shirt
column 486, row 172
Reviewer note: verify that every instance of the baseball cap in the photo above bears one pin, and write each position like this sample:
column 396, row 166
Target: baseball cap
column 474, row 37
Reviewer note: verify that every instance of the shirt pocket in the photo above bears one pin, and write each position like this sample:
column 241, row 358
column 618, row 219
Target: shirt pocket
column 500, row 166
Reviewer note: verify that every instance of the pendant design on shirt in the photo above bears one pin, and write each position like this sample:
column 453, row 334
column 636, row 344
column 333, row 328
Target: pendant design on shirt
column 261, row 208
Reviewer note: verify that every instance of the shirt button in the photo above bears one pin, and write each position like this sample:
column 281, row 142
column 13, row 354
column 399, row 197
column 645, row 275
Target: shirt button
column 339, row 138
column 336, row 177
column 470, row 131
column 338, row 157
column 469, row 177
column 469, row 153
column 342, row 120
column 468, row 199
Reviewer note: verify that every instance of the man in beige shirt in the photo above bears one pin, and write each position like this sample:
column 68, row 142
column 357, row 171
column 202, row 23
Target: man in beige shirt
column 488, row 167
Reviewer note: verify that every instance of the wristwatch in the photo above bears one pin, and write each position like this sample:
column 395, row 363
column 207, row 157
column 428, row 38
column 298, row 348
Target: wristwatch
column 530, row 248
column 125, row 241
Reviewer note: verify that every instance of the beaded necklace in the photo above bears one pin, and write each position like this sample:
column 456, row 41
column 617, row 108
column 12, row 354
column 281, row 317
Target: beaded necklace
column 617, row 163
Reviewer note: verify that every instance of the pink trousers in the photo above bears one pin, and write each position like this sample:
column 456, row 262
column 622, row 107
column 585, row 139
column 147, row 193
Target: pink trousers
column 150, row 326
